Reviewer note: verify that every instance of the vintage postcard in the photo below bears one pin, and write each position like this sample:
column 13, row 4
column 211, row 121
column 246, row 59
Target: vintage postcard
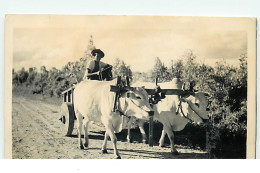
column 130, row 87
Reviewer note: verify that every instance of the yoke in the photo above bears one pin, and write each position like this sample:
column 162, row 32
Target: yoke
column 119, row 89
column 67, row 108
column 154, row 97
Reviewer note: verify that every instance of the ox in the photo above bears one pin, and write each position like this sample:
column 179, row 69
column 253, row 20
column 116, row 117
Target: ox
column 193, row 108
column 93, row 101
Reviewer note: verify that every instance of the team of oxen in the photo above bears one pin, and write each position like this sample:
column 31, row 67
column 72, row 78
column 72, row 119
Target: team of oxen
column 94, row 101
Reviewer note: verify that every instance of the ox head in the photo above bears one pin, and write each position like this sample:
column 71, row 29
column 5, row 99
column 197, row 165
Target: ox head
column 135, row 102
column 194, row 107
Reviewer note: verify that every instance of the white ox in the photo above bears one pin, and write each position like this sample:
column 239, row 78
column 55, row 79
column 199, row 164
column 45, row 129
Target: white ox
column 94, row 101
column 193, row 108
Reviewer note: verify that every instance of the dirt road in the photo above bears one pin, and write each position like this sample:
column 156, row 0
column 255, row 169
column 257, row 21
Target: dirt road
column 37, row 135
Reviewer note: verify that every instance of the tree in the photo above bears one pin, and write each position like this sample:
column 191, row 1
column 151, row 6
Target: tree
column 143, row 77
column 81, row 65
column 190, row 71
column 176, row 69
column 160, row 70
column 22, row 75
column 32, row 75
column 242, row 72
column 15, row 78
column 90, row 47
column 121, row 69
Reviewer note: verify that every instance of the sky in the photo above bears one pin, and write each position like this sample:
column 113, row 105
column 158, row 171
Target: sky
column 137, row 40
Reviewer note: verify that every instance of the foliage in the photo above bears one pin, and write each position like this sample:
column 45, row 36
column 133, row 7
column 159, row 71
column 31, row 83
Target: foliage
column 22, row 76
column 160, row 70
column 54, row 81
column 141, row 76
column 225, row 84
column 121, row 69
column 31, row 75
column 227, row 89
column 176, row 69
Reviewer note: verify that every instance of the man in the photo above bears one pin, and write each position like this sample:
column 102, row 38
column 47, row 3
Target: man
column 97, row 70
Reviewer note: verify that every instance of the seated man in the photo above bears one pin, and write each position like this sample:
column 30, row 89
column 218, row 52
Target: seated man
column 97, row 70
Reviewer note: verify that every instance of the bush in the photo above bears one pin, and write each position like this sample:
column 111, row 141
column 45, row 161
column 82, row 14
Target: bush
column 227, row 86
column 224, row 143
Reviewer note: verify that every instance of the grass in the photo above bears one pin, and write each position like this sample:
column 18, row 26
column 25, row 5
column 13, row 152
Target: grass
column 26, row 92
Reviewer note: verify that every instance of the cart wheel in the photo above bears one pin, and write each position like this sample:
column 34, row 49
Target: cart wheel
column 67, row 119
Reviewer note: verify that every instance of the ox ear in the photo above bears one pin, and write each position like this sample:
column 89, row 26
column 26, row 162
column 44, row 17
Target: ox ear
column 162, row 96
column 130, row 95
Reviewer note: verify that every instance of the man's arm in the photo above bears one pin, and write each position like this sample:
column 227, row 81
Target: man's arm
column 85, row 75
column 88, row 74
column 89, row 69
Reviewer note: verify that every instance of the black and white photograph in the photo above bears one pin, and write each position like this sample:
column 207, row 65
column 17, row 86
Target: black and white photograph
column 130, row 87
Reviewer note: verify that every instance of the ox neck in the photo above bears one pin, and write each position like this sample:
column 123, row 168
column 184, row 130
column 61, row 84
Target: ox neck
column 184, row 116
column 121, row 110
column 180, row 106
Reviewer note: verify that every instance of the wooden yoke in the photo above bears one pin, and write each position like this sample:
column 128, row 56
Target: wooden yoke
column 117, row 92
column 180, row 96
column 120, row 88
column 151, row 92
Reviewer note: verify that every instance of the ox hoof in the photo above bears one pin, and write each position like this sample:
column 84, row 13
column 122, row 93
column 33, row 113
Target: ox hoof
column 81, row 147
column 129, row 141
column 104, row 151
column 162, row 145
column 145, row 141
column 86, row 145
column 175, row 152
column 117, row 157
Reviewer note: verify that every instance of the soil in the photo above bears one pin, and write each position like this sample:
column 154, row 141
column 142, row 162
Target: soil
column 37, row 135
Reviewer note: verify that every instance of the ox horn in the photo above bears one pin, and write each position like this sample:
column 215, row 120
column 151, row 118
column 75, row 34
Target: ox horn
column 192, row 85
column 127, row 81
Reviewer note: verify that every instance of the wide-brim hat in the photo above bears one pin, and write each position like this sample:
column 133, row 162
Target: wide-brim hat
column 97, row 51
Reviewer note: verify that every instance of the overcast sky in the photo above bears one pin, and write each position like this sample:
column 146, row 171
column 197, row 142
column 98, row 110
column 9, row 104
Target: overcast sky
column 134, row 39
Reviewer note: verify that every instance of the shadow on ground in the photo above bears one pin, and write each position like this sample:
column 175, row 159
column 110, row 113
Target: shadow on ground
column 135, row 135
column 144, row 154
column 140, row 153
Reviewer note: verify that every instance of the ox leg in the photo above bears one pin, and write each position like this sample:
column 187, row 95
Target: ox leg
column 161, row 141
column 141, row 128
column 104, row 146
column 128, row 138
column 114, row 140
column 85, row 126
column 171, row 137
column 79, row 118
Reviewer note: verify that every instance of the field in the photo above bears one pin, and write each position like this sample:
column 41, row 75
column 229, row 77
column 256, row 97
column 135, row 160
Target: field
column 36, row 134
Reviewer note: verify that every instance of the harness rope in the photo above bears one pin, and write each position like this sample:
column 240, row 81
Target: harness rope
column 121, row 112
column 180, row 107
column 184, row 114
column 124, row 114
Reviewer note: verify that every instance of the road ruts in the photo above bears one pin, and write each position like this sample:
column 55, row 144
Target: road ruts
column 36, row 135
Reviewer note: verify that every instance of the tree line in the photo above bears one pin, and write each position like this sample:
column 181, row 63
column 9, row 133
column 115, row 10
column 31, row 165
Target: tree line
column 226, row 85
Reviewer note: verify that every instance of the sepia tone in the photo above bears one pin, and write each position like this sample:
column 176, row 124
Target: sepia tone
column 52, row 44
